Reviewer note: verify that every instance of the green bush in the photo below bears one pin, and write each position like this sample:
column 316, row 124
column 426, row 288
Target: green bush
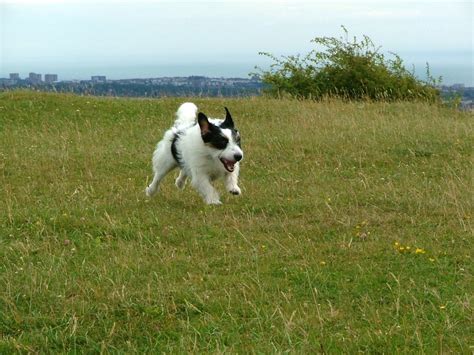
column 348, row 69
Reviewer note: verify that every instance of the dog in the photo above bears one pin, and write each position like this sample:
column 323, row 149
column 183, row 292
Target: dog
column 204, row 149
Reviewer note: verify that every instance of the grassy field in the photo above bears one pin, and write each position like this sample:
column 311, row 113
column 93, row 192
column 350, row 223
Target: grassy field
column 353, row 232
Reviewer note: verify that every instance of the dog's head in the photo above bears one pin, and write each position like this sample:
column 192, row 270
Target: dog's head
column 223, row 140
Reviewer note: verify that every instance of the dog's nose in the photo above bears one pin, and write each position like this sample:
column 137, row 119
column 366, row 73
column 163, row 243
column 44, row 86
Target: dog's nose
column 238, row 157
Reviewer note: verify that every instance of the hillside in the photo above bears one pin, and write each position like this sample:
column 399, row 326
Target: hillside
column 353, row 232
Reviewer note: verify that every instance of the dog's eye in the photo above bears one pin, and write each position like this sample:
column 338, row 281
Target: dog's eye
column 219, row 142
column 237, row 137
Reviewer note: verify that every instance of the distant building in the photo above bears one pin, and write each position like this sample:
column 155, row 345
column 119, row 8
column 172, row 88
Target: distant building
column 50, row 78
column 98, row 78
column 7, row 82
column 457, row 86
column 467, row 105
column 34, row 78
column 14, row 76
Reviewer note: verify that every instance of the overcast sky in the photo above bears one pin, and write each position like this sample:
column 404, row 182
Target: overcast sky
column 41, row 34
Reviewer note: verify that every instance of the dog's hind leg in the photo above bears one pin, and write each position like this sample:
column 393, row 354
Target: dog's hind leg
column 231, row 181
column 152, row 189
column 162, row 165
column 181, row 180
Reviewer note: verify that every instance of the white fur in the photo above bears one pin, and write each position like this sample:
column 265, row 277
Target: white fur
column 200, row 162
column 186, row 115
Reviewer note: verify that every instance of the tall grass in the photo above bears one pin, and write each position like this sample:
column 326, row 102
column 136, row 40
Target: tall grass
column 353, row 233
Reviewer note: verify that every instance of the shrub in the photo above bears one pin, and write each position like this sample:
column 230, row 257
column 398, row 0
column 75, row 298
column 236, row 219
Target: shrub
column 348, row 69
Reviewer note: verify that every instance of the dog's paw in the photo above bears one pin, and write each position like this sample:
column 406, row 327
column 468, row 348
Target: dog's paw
column 180, row 183
column 150, row 192
column 235, row 190
column 215, row 202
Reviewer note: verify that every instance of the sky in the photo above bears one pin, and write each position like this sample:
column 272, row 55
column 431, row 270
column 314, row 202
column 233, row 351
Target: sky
column 145, row 38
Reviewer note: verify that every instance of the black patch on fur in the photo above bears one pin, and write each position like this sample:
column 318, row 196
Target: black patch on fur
column 215, row 138
column 212, row 134
column 228, row 122
column 203, row 123
column 174, row 150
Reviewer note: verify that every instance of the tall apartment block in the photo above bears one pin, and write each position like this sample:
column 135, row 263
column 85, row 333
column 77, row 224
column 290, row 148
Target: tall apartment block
column 50, row 78
column 34, row 78
column 98, row 79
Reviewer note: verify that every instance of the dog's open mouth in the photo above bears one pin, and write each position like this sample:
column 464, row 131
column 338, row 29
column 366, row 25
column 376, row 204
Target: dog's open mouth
column 228, row 164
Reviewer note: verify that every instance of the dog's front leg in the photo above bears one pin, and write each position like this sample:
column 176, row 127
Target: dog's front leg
column 205, row 188
column 231, row 181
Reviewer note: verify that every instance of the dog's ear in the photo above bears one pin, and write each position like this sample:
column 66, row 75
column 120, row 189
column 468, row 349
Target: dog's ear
column 228, row 122
column 204, row 124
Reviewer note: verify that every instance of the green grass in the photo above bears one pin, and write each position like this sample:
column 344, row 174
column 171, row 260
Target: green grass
column 304, row 261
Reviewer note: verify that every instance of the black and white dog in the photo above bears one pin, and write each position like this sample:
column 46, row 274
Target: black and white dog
column 204, row 150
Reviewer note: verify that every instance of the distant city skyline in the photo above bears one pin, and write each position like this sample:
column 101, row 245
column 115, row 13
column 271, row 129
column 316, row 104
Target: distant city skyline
column 144, row 38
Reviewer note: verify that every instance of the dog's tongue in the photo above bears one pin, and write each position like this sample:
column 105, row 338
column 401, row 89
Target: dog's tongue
column 229, row 165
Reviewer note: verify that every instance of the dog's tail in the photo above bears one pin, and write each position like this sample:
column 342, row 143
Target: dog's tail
column 186, row 114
